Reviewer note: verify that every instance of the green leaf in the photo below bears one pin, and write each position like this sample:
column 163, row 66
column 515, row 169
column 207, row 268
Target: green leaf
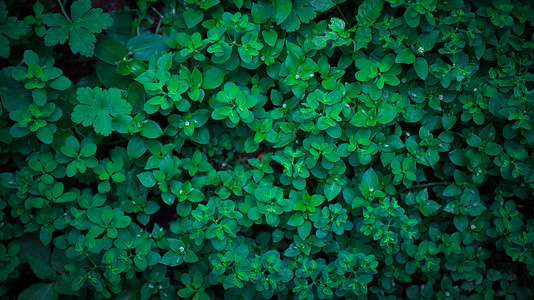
column 331, row 191
column 429, row 207
column 109, row 49
column 270, row 37
column 421, row 67
column 369, row 11
column 457, row 157
column 136, row 147
column 386, row 114
column 39, row 291
column 405, row 56
column 282, row 9
column 109, row 77
column 145, row 45
column 151, row 130
column 323, row 5
column 192, row 17
column 97, row 107
column 427, row 40
column 258, row 13
column 66, row 197
column 107, row 214
column 61, row 83
column 460, row 222
column 411, row 16
column 37, row 255
column 213, row 78
column 45, row 234
column 147, row 179
column 370, row 179
column 304, row 230
column 221, row 113
column 301, row 12
column 201, row 136
column 10, row 28
column 45, row 135
column 7, row 180
column 296, row 220
column 452, row 190
column 80, row 30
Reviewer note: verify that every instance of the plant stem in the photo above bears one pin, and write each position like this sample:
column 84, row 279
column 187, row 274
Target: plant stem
column 63, row 10
column 160, row 18
column 159, row 25
column 342, row 15
column 79, row 132
column 425, row 185
column 158, row 13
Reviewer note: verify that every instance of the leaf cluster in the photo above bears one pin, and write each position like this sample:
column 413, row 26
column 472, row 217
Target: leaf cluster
column 253, row 149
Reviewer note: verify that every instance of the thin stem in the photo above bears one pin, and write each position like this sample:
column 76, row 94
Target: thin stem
column 458, row 134
column 63, row 10
column 79, row 132
column 342, row 15
column 160, row 18
column 158, row 13
column 425, row 185
column 159, row 25
column 138, row 21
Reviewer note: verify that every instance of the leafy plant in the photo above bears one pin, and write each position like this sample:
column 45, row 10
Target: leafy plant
column 79, row 28
column 97, row 107
column 10, row 29
column 37, row 77
column 266, row 149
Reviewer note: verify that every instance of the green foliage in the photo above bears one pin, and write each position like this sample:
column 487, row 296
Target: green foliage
column 96, row 107
column 369, row 11
column 38, row 75
column 11, row 29
column 238, row 149
column 79, row 28
column 36, row 119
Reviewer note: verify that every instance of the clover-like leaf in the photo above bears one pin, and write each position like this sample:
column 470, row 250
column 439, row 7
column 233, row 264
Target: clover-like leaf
column 79, row 29
column 97, row 108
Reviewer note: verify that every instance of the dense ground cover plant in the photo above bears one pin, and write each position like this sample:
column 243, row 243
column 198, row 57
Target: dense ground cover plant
column 267, row 149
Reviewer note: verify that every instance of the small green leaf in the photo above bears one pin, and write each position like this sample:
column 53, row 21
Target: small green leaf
column 282, row 9
column 147, row 179
column 331, row 191
column 421, row 67
column 136, row 147
column 429, row 207
column 405, row 56
column 304, row 230
column 296, row 220
column 452, row 190
column 270, row 37
column 460, row 222
column 192, row 17
column 258, row 13
column 213, row 78
column 427, row 40
column 323, row 5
